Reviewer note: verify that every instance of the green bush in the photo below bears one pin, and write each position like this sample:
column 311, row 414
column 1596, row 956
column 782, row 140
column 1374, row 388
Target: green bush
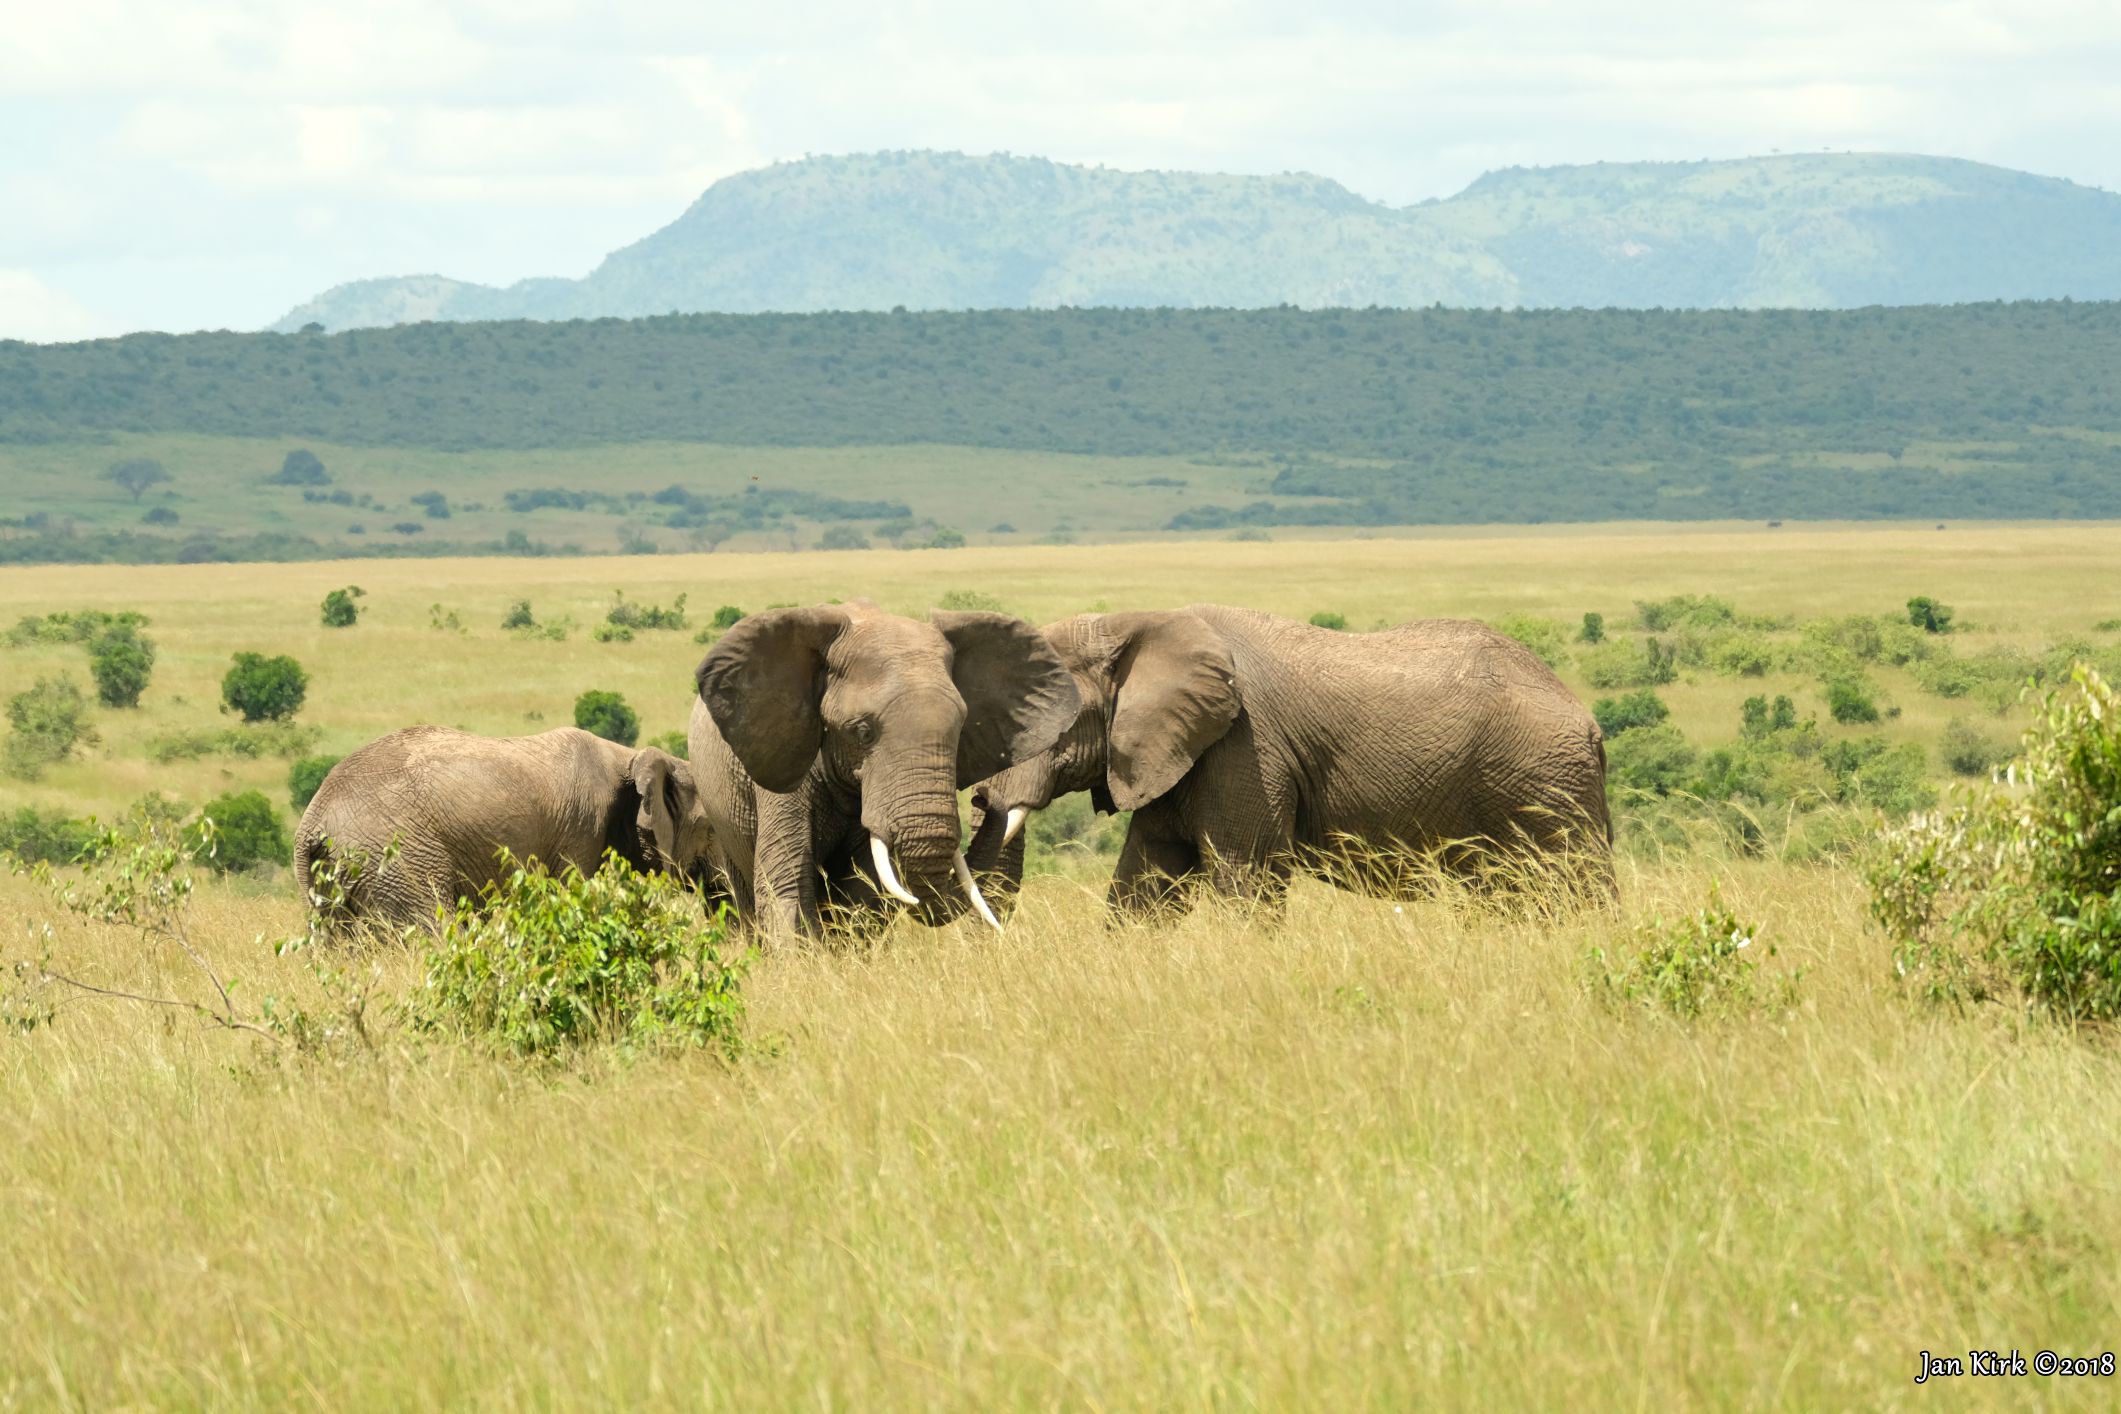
column 2018, row 889
column 1654, row 760
column 607, row 715
column 46, row 722
column 1618, row 663
column 1069, row 834
column 1641, row 708
column 1548, row 638
column 969, row 599
column 518, row 616
column 264, row 689
column 159, row 515
column 247, row 832
column 545, row 964
column 726, row 617
column 121, row 660
column 306, row 777
column 288, row 739
column 300, row 468
column 676, row 743
column 627, row 617
column 1969, row 751
column 843, row 537
column 1758, row 718
column 1738, row 653
column 1691, row 967
column 1928, row 615
column 1326, row 618
column 80, row 626
column 37, row 836
column 1849, row 701
column 340, row 610
column 1593, row 630
column 443, row 620
column 1685, row 611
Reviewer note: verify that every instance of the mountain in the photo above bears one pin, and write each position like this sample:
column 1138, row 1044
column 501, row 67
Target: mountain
column 931, row 230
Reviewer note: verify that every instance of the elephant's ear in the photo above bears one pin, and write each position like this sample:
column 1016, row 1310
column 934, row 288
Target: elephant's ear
column 763, row 685
column 656, row 776
column 1019, row 699
column 1174, row 689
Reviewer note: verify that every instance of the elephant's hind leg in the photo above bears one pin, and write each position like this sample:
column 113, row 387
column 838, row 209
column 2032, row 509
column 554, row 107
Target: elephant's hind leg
column 1151, row 873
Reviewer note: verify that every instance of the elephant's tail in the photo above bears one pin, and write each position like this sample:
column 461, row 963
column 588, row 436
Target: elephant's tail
column 1605, row 809
column 318, row 871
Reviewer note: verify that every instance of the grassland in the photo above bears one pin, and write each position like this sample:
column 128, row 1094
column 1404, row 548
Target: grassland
column 1360, row 1157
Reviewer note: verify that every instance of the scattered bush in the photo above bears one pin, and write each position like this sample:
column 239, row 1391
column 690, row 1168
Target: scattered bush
column 159, row 515
column 340, row 610
column 843, row 537
column 121, row 660
column 970, row 599
column 1739, row 653
column 606, row 715
column 300, row 468
column 518, row 616
column 37, row 836
column 545, row 964
column 1653, row 760
column 287, row 739
column 1326, row 618
column 306, row 777
column 1618, row 663
column 264, row 689
column 1641, row 708
column 726, row 617
column 1757, row 718
column 2020, row 891
column 247, row 832
column 408, row 527
column 81, row 626
column 1928, row 615
column 1968, row 751
column 1685, row 611
column 46, row 722
column 1593, row 630
column 628, row 616
column 1691, row 967
column 443, row 620
column 1548, row 638
column 1849, row 701
column 434, row 503
column 945, row 538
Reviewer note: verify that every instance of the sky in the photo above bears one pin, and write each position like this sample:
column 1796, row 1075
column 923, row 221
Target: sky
column 184, row 164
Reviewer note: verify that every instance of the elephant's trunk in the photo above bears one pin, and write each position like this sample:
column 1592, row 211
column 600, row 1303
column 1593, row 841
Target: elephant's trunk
column 914, row 843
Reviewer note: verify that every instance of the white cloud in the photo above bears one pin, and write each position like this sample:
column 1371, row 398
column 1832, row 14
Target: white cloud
column 33, row 311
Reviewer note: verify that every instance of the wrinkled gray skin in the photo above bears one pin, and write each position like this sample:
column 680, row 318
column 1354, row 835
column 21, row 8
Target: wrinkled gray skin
column 1249, row 746
column 818, row 729
column 454, row 800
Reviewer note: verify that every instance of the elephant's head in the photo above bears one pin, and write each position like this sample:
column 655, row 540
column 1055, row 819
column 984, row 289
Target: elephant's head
column 1156, row 690
column 895, row 712
column 671, row 831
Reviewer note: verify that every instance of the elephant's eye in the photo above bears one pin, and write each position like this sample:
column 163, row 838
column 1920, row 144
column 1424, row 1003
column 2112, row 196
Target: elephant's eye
column 864, row 731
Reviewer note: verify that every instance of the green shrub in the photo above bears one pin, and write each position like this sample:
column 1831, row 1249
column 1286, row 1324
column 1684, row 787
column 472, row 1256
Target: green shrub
column 1548, row 638
column 443, row 620
column 251, row 742
column 676, row 743
column 300, row 468
column 46, row 723
column 518, row 616
column 947, row 538
column 1069, row 834
column 969, row 599
column 306, row 777
column 247, row 832
column 37, row 836
column 264, row 689
column 545, row 964
column 1618, row 663
column 1684, row 611
column 1739, row 653
column 628, row 617
column 1869, row 772
column 1654, row 760
column 340, row 610
column 80, row 626
column 1758, row 718
column 726, row 617
column 159, row 515
column 607, row 715
column 1849, row 701
column 1969, row 751
column 2019, row 890
column 1691, row 967
column 121, row 660
column 1593, row 630
column 1928, row 615
column 1641, row 708
column 843, row 537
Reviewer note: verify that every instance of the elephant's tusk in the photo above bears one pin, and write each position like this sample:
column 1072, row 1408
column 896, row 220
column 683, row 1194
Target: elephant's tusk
column 881, row 853
column 1017, row 813
column 979, row 900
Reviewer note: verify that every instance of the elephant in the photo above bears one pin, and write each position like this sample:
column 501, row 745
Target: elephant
column 452, row 801
column 1249, row 746
column 826, row 741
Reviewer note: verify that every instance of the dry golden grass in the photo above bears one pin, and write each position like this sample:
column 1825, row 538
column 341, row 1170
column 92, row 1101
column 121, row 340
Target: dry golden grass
column 1355, row 1157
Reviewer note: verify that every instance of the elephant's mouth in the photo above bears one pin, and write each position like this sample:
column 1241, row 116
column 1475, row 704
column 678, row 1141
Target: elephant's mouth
column 936, row 901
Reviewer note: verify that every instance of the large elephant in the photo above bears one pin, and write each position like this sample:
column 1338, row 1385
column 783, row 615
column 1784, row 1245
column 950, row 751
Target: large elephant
column 829, row 741
column 451, row 801
column 1249, row 746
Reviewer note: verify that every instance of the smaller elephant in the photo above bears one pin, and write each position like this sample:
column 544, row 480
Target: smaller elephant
column 451, row 801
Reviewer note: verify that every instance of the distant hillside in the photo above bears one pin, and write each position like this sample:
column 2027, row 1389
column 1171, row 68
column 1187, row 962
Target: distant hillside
column 942, row 231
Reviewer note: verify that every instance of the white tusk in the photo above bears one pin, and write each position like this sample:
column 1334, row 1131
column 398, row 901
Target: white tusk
column 882, row 855
column 979, row 901
column 1016, row 822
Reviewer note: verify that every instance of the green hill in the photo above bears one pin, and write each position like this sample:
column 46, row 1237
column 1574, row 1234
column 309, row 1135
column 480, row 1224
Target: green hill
column 940, row 231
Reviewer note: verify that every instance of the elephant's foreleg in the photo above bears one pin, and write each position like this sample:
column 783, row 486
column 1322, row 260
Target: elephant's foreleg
column 784, row 886
column 1151, row 872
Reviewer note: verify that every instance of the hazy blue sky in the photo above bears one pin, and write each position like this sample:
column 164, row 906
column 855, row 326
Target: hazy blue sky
column 179, row 164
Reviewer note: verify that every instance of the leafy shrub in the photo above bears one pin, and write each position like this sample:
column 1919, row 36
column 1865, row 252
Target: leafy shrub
column 1969, row 751
column 1869, row 772
column 676, row 743
column 1928, row 615
column 159, row 515
column 434, row 503
column 1326, row 618
column 2108, row 625
column 2020, row 891
column 518, row 616
column 80, row 626
column 1641, row 708
column 37, row 836
column 1691, row 967
column 443, row 620
column 606, row 715
column 340, row 610
column 1739, row 653
column 969, row 599
column 46, row 723
column 120, row 660
column 306, row 777
column 1548, row 638
column 250, row 742
column 611, row 633
column 946, row 538
column 628, row 616
column 1758, row 718
column 1593, row 630
column 1849, row 701
column 1684, row 611
column 726, row 617
column 544, row 964
column 1653, row 760
column 300, row 468
column 247, row 832
column 1618, row 663
column 264, row 689
column 843, row 537
column 1070, row 833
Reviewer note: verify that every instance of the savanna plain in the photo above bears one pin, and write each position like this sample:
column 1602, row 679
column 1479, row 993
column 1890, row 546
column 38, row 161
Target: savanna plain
column 1358, row 1155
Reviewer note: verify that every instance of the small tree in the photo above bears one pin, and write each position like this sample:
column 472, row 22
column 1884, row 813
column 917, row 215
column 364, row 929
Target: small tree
column 1593, row 630
column 48, row 721
column 136, row 474
column 1928, row 615
column 301, row 468
column 247, row 832
column 264, row 689
column 1849, row 702
column 606, row 714
column 340, row 610
column 120, row 660
column 306, row 777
